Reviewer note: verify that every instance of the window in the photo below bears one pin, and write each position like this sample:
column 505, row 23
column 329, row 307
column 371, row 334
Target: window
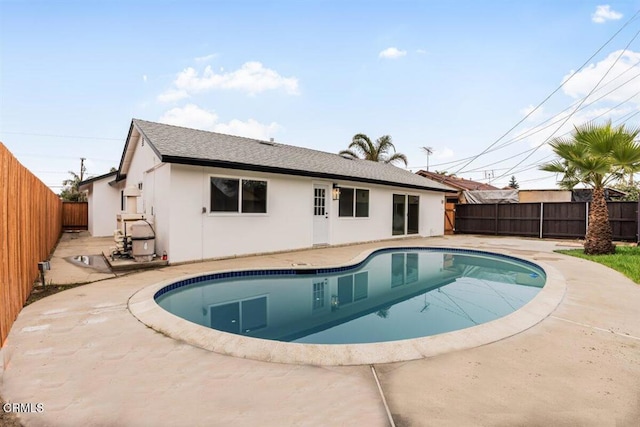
column 362, row 203
column 229, row 195
column 254, row 196
column 354, row 200
column 319, row 208
column 346, row 202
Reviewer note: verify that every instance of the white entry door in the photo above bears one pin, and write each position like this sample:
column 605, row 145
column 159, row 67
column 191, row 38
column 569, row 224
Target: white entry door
column 320, row 215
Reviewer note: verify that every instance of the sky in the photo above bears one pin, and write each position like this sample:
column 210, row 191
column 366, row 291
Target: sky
column 463, row 78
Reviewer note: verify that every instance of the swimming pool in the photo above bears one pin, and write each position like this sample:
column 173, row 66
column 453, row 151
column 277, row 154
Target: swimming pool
column 393, row 294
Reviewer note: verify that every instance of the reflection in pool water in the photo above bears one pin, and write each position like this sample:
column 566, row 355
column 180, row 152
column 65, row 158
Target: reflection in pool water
column 393, row 295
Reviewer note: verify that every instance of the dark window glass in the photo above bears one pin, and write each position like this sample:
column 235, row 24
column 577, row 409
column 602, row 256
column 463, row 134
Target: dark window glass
column 413, row 214
column 346, row 202
column 398, row 214
column 254, row 196
column 224, row 195
column 362, row 203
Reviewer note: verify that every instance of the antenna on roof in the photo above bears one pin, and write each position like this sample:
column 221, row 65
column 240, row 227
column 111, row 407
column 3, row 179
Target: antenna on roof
column 429, row 151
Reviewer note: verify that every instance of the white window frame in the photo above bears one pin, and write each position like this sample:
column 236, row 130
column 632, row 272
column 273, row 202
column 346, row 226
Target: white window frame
column 355, row 200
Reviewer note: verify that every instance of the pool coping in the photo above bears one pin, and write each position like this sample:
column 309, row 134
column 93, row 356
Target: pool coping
column 143, row 306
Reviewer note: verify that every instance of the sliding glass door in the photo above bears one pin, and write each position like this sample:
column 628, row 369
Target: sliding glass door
column 413, row 214
column 406, row 214
column 398, row 214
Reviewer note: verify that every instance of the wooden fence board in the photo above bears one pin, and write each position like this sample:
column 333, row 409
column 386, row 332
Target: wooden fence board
column 567, row 220
column 30, row 225
column 75, row 215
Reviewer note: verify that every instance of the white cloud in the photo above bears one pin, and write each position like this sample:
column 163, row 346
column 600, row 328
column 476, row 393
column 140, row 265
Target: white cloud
column 172, row 95
column 535, row 115
column 144, row 78
column 392, row 53
column 604, row 13
column 443, row 154
column 251, row 78
column 250, row 129
column 195, row 117
column 190, row 116
column 585, row 80
column 206, row 58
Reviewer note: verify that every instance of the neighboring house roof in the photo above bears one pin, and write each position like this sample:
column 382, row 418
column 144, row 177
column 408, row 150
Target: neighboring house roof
column 455, row 182
column 97, row 178
column 173, row 144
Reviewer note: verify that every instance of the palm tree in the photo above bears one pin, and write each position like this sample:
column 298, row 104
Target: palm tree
column 70, row 192
column 379, row 151
column 596, row 155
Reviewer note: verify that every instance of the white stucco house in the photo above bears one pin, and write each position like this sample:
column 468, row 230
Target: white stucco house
column 210, row 195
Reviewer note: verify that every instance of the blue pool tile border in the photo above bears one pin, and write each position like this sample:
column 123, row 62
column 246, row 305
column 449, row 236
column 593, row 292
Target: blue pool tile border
column 310, row 271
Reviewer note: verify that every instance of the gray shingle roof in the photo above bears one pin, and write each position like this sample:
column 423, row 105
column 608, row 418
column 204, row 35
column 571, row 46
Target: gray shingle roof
column 175, row 144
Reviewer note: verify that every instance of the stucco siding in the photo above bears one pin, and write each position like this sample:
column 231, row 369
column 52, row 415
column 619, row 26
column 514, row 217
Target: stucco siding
column 189, row 231
column 104, row 205
column 431, row 214
column 378, row 225
column 143, row 160
column 157, row 204
column 197, row 235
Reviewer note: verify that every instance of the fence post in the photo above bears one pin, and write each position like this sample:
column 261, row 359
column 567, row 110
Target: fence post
column 496, row 205
column 541, row 217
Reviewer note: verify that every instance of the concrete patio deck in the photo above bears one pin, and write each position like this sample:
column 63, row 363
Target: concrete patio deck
column 89, row 361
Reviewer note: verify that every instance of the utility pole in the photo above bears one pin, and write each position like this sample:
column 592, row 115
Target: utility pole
column 82, row 159
column 429, row 151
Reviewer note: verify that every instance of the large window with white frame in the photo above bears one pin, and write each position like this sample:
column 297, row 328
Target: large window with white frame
column 238, row 195
column 354, row 202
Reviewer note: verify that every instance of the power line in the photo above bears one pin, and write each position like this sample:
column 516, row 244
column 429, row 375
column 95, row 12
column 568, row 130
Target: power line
column 61, row 136
column 566, row 133
column 574, row 111
column 536, row 129
column 40, row 156
column 552, row 93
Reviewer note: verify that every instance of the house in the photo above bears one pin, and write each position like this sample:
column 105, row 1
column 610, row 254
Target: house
column 102, row 219
column 210, row 195
column 459, row 184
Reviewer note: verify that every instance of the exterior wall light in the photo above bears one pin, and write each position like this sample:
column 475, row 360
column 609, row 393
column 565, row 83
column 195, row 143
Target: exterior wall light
column 335, row 192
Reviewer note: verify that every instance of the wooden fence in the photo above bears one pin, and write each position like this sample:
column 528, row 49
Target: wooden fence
column 75, row 215
column 30, row 225
column 566, row 220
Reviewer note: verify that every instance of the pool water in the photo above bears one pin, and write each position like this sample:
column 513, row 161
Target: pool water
column 392, row 295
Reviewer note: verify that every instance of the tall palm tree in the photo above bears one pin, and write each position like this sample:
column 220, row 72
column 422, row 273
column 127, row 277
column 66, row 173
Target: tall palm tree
column 596, row 155
column 380, row 151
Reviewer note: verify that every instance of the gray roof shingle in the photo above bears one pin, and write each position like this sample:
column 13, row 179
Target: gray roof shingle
column 175, row 144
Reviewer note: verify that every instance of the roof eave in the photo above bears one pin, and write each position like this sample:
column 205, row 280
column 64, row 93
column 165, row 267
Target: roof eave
column 286, row 171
